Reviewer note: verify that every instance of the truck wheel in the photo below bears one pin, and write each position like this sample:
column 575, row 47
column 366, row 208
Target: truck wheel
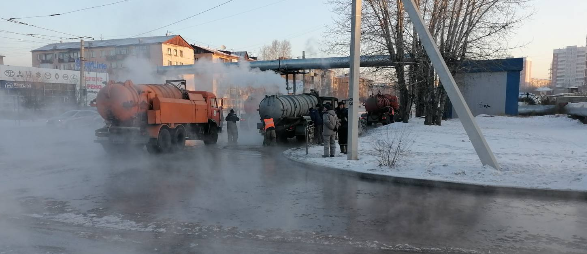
column 152, row 146
column 212, row 137
column 164, row 141
column 178, row 140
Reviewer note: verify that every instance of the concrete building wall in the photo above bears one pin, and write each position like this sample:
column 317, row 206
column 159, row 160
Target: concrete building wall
column 485, row 92
column 490, row 86
column 175, row 55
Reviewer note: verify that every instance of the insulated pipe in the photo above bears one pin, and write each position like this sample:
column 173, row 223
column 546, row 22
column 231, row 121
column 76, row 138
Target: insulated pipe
column 293, row 64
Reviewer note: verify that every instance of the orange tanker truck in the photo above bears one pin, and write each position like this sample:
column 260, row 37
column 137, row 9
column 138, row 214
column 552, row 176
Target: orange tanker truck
column 160, row 116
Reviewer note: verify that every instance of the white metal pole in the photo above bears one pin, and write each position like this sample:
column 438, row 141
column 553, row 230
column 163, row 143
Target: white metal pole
column 353, row 120
column 82, row 79
column 479, row 143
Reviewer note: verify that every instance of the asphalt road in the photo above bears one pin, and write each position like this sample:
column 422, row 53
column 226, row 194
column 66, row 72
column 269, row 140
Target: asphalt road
column 60, row 193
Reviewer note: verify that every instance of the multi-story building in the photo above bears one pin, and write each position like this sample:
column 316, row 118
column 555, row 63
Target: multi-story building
column 116, row 56
column 569, row 67
column 341, row 87
column 526, row 73
column 320, row 81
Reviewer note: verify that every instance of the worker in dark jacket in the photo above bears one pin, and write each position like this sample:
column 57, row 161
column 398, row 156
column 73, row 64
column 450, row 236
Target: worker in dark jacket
column 316, row 116
column 269, row 128
column 331, row 123
column 343, row 130
column 231, row 120
column 339, row 110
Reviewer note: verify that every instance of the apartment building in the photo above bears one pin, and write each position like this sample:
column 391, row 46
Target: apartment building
column 569, row 67
column 341, row 87
column 116, row 56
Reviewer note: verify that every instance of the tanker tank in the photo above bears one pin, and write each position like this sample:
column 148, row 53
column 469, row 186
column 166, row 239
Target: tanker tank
column 287, row 106
column 122, row 102
column 376, row 103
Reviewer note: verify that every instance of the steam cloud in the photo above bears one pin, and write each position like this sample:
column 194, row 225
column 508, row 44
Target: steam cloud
column 205, row 76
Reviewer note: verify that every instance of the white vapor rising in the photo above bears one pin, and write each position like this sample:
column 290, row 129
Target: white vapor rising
column 241, row 75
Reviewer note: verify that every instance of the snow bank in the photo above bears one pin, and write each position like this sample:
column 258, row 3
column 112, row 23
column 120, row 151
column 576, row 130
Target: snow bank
column 578, row 109
column 547, row 152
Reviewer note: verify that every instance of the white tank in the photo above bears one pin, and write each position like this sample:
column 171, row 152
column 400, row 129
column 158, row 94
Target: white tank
column 283, row 106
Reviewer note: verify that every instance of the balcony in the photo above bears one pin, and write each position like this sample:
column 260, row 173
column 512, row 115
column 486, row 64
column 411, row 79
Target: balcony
column 50, row 61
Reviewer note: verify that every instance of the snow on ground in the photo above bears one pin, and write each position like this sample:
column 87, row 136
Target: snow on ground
column 547, row 152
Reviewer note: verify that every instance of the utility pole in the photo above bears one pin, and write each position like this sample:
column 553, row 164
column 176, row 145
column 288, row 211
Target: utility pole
column 452, row 90
column 294, row 83
column 353, row 135
column 304, row 75
column 82, row 79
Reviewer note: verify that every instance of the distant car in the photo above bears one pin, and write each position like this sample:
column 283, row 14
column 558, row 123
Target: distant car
column 76, row 118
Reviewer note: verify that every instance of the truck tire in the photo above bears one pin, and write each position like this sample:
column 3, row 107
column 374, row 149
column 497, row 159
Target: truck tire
column 163, row 141
column 212, row 137
column 152, row 146
column 178, row 140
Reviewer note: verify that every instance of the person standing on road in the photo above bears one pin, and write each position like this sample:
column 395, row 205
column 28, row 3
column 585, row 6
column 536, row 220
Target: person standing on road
column 343, row 130
column 331, row 123
column 339, row 110
column 231, row 120
column 316, row 116
column 269, row 128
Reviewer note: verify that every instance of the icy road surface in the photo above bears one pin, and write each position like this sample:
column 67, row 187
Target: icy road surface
column 60, row 193
column 547, row 152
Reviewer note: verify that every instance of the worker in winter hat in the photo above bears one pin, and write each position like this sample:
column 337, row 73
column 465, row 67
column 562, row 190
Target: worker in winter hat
column 231, row 120
column 316, row 116
column 331, row 123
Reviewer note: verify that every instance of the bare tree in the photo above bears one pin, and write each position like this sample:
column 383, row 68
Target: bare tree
column 277, row 50
column 463, row 29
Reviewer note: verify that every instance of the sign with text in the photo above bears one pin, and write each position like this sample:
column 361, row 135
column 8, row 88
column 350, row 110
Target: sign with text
column 16, row 77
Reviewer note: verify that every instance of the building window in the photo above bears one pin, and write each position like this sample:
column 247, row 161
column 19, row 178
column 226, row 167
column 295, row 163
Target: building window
column 176, row 63
column 121, row 51
column 46, row 57
column 169, row 51
column 181, row 53
column 175, row 52
column 92, row 54
column 112, row 52
column 169, row 63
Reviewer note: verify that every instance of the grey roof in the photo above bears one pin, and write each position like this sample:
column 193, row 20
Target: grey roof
column 106, row 43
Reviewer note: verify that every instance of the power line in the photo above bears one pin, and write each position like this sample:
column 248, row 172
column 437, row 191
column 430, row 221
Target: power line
column 39, row 36
column 68, row 12
column 237, row 14
column 42, row 28
column 199, row 13
column 10, row 38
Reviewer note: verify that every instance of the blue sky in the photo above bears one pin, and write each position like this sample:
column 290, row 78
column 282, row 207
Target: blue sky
column 244, row 25
column 554, row 24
